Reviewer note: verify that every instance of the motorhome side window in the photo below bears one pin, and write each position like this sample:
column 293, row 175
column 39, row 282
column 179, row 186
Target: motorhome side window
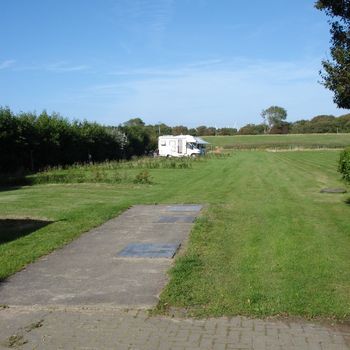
column 163, row 143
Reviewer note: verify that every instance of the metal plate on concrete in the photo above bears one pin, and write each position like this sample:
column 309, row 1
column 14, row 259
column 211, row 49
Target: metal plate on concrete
column 185, row 207
column 167, row 219
column 173, row 219
column 187, row 219
column 149, row 250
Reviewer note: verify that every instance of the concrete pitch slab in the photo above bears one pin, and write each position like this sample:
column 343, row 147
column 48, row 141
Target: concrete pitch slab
column 88, row 272
column 185, row 207
column 149, row 250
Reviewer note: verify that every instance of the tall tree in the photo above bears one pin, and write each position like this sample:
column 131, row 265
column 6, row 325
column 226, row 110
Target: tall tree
column 336, row 75
column 274, row 116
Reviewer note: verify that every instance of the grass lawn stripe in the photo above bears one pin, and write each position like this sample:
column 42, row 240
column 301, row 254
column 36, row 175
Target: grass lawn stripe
column 275, row 249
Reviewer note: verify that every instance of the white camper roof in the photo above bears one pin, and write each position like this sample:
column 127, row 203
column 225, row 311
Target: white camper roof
column 189, row 138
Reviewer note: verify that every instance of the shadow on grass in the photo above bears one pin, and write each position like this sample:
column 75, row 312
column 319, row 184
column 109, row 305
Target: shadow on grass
column 8, row 183
column 12, row 229
column 9, row 188
column 347, row 201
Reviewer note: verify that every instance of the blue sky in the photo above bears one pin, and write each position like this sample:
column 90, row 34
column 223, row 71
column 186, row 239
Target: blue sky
column 190, row 62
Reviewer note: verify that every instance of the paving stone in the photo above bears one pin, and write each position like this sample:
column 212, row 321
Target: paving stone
column 78, row 328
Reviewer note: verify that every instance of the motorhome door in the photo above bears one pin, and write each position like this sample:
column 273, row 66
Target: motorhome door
column 172, row 145
column 179, row 146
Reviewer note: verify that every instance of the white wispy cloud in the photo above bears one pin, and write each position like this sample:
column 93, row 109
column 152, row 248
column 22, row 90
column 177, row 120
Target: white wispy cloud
column 227, row 91
column 168, row 71
column 55, row 67
column 161, row 13
column 7, row 64
column 147, row 72
column 65, row 67
column 144, row 18
column 240, row 67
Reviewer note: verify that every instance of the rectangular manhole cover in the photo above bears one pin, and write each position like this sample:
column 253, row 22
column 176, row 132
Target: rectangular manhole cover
column 150, row 250
column 185, row 207
column 173, row 219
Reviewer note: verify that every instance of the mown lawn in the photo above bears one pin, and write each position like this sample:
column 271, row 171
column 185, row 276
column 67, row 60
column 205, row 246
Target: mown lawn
column 280, row 141
column 268, row 243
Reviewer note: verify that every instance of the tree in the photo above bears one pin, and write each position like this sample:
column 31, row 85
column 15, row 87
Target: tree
column 301, row 127
column 336, row 75
column 227, row 131
column 252, row 129
column 180, row 130
column 135, row 122
column 274, row 116
column 139, row 138
column 201, row 130
column 193, row 131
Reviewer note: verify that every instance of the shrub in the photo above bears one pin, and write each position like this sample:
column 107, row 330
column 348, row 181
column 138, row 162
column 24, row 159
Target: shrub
column 143, row 177
column 344, row 164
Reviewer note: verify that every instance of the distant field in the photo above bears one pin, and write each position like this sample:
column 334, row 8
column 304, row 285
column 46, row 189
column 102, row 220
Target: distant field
column 280, row 141
column 268, row 242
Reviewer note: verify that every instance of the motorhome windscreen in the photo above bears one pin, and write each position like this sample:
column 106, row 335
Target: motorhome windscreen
column 191, row 145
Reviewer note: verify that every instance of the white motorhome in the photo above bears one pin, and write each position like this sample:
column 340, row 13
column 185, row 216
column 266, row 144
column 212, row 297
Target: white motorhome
column 181, row 146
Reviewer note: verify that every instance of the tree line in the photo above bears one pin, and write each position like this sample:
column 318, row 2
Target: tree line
column 274, row 122
column 31, row 142
column 318, row 124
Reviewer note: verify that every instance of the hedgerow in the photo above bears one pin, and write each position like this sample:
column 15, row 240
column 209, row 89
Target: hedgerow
column 344, row 164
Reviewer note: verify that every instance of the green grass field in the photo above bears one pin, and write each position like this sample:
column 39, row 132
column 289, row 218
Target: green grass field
column 268, row 242
column 280, row 141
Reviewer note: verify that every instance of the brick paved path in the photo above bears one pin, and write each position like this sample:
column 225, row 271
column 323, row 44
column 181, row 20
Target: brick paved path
column 135, row 330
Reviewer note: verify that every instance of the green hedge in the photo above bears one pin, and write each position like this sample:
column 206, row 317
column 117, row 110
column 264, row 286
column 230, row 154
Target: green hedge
column 344, row 164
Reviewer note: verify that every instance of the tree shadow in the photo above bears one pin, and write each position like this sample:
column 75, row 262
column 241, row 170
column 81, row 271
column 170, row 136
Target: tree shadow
column 347, row 201
column 12, row 229
column 13, row 182
column 9, row 188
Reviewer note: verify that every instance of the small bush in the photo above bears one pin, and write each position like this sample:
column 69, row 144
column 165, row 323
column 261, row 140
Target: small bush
column 116, row 177
column 98, row 175
column 47, row 178
column 344, row 164
column 143, row 177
